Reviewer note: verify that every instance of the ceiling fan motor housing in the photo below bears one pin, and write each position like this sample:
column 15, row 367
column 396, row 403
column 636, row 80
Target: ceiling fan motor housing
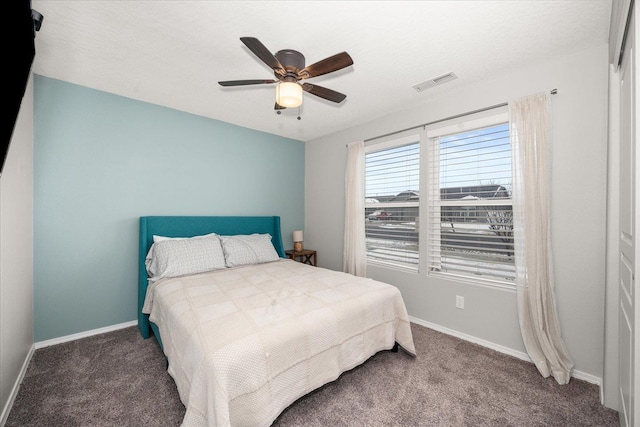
column 291, row 60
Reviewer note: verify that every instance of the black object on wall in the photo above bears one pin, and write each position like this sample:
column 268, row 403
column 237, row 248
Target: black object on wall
column 19, row 51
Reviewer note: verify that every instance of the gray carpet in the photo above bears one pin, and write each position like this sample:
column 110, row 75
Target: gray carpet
column 119, row 379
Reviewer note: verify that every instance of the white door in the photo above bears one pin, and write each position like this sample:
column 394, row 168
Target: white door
column 628, row 223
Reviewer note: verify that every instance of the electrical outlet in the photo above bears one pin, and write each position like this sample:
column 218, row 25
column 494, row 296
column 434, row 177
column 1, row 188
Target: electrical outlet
column 459, row 302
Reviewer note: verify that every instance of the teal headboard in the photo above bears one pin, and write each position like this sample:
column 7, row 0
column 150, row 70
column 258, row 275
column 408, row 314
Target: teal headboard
column 189, row 226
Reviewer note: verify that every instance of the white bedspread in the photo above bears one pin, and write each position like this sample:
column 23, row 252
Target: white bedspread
column 245, row 343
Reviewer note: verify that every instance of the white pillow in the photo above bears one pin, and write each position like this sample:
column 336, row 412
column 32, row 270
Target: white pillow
column 182, row 256
column 248, row 249
column 160, row 238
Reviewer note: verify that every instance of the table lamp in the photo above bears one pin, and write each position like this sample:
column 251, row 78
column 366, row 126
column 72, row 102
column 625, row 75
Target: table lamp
column 297, row 241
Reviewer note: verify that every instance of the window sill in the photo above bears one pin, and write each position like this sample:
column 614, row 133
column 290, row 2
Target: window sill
column 476, row 281
column 393, row 266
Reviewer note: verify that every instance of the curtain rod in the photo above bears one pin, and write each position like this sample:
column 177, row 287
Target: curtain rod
column 504, row 104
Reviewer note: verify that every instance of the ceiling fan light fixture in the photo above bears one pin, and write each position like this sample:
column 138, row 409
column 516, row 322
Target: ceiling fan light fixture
column 289, row 94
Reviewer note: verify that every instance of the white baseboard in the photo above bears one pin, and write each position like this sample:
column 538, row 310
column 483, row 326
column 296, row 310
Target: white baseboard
column 16, row 387
column 85, row 334
column 502, row 349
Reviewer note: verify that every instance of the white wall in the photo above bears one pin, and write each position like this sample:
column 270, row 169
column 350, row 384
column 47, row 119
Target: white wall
column 579, row 166
column 16, row 255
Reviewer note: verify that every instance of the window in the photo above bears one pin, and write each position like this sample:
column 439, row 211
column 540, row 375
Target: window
column 467, row 214
column 470, row 218
column 392, row 195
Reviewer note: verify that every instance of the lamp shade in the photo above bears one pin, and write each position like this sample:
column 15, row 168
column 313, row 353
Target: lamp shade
column 289, row 94
column 297, row 236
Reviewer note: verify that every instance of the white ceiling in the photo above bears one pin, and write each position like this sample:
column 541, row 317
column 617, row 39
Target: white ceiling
column 173, row 53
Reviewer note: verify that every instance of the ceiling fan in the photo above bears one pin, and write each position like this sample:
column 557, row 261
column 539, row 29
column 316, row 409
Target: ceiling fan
column 289, row 69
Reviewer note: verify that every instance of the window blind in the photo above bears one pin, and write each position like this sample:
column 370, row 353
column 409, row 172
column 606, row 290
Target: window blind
column 470, row 229
column 392, row 181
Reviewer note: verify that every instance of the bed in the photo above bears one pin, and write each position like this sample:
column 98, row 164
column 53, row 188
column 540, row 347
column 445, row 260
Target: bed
column 248, row 335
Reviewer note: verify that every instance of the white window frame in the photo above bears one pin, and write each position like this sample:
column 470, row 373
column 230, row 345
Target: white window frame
column 397, row 140
column 433, row 203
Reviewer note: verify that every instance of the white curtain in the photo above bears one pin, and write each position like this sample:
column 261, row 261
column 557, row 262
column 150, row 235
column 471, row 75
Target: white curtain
column 355, row 257
column 531, row 133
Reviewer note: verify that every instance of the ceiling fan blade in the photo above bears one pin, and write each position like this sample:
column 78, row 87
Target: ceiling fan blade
column 327, row 65
column 264, row 54
column 279, row 107
column 245, row 82
column 323, row 92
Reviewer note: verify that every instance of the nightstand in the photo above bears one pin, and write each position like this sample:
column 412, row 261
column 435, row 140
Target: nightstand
column 306, row 256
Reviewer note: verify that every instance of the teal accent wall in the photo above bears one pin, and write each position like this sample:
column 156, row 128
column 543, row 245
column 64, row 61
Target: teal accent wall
column 101, row 161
